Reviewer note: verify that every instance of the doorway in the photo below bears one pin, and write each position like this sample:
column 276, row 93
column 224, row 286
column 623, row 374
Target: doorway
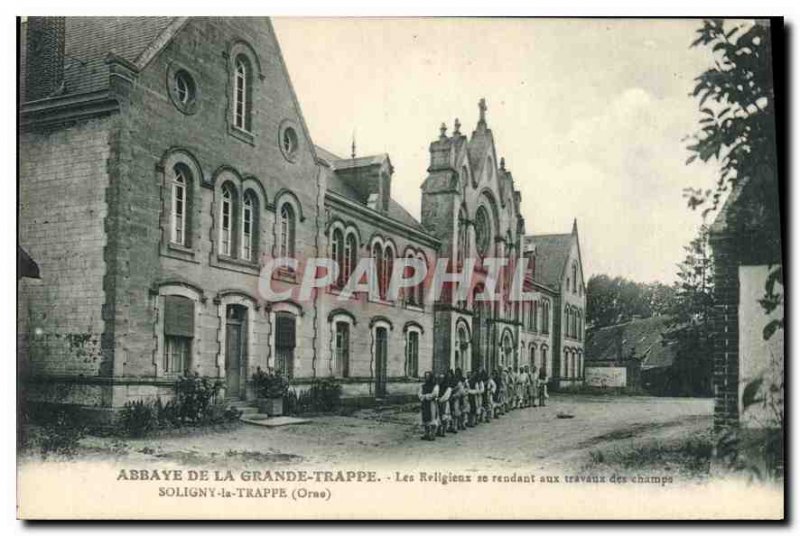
column 285, row 342
column 235, row 349
column 380, row 362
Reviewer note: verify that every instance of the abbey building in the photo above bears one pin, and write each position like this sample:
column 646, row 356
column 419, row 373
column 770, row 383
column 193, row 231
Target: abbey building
column 163, row 161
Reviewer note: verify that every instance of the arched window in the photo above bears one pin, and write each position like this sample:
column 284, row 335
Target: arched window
column 412, row 353
column 543, row 372
column 546, row 316
column 180, row 195
column 461, row 243
column 508, row 351
column 226, row 220
column 574, row 277
column 249, row 226
column 286, row 231
column 337, row 256
column 580, row 325
column 241, row 93
column 386, row 271
column 377, row 255
column 482, row 231
column 341, row 365
column 574, row 323
column 420, row 290
column 350, row 252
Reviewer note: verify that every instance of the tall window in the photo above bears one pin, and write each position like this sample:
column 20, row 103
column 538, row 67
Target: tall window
column 350, row 252
column 411, row 293
column 286, row 231
column 285, row 343
column 377, row 255
column 567, row 323
column 386, row 272
column 461, row 243
column 580, row 326
column 544, row 361
column 338, row 256
column 241, row 112
column 248, row 226
column 341, row 366
column 180, row 192
column 412, row 354
column 574, row 278
column 574, row 323
column 535, row 316
column 546, row 316
column 482, row 231
column 226, row 221
column 178, row 334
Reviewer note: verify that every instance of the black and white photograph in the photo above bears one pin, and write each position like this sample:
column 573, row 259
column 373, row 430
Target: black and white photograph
column 400, row 268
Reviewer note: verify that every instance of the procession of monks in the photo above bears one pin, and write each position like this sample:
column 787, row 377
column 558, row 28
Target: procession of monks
column 453, row 401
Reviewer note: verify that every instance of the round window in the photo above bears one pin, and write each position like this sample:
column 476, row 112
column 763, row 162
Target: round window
column 184, row 87
column 182, row 90
column 289, row 142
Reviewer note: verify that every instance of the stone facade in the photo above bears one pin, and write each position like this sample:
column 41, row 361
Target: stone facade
column 157, row 181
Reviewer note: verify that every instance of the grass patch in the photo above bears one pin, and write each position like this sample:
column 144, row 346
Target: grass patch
column 689, row 456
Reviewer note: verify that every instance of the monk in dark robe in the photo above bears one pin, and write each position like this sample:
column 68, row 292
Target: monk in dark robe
column 428, row 395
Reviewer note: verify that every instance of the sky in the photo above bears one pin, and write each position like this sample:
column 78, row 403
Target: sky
column 589, row 115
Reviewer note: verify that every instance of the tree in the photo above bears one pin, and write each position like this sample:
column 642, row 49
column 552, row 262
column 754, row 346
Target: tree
column 690, row 328
column 736, row 99
column 615, row 300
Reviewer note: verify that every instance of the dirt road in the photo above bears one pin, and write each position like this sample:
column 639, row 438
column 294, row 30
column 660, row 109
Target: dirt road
column 531, row 438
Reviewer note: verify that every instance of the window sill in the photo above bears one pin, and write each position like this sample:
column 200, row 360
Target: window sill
column 242, row 135
column 232, row 263
column 381, row 301
column 176, row 251
column 287, row 276
column 416, row 308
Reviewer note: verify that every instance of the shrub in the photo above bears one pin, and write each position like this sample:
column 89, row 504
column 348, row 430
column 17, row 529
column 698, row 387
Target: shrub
column 193, row 397
column 269, row 384
column 138, row 418
column 195, row 404
column 324, row 395
column 61, row 435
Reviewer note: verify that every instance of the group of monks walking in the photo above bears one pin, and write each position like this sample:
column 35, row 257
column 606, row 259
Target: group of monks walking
column 453, row 401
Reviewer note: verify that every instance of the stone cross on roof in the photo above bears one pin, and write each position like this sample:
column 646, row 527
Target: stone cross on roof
column 482, row 108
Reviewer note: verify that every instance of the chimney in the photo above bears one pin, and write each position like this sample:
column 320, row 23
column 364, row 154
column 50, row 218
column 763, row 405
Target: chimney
column 44, row 57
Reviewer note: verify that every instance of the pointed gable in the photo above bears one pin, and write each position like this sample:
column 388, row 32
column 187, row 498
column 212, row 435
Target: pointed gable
column 552, row 252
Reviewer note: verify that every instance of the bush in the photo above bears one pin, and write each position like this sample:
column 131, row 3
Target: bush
column 61, row 435
column 193, row 397
column 270, row 384
column 324, row 395
column 138, row 418
column 195, row 404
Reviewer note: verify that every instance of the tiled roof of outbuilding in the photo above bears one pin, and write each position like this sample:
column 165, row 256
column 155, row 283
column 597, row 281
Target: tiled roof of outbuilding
column 641, row 339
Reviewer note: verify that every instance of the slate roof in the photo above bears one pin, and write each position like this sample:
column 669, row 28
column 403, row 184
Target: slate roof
column 88, row 41
column 337, row 184
column 640, row 338
column 552, row 252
